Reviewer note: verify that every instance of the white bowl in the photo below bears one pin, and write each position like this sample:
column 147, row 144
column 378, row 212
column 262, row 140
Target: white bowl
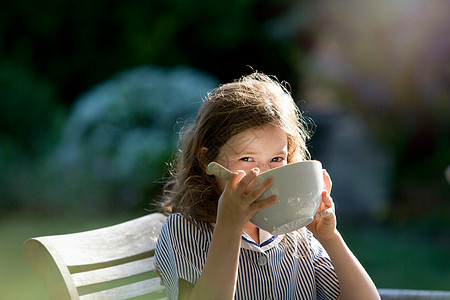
column 299, row 189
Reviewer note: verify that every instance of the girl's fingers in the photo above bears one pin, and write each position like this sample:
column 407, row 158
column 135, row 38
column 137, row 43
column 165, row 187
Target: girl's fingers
column 246, row 180
column 234, row 181
column 327, row 184
column 326, row 219
column 325, row 214
column 259, row 190
column 243, row 186
column 257, row 205
column 326, row 202
column 324, row 222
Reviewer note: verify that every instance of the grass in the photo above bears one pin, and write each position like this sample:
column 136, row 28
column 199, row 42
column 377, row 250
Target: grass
column 393, row 258
column 17, row 279
column 399, row 259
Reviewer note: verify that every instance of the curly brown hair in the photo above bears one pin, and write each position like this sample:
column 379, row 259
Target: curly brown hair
column 251, row 101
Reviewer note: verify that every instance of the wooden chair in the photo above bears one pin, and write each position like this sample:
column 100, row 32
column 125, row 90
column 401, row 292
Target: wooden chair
column 407, row 294
column 114, row 262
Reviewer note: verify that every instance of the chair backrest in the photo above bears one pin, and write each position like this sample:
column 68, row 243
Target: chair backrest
column 408, row 294
column 114, row 262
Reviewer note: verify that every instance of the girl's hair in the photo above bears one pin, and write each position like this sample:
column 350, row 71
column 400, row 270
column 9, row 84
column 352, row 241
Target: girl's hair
column 251, row 101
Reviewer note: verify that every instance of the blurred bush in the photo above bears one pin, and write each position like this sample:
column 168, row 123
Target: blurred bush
column 115, row 143
column 76, row 44
column 29, row 114
column 386, row 62
column 59, row 49
column 30, row 120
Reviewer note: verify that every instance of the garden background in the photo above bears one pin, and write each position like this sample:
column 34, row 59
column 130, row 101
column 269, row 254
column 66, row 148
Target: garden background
column 94, row 93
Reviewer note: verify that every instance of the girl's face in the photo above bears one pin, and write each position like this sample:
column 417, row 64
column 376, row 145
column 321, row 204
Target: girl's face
column 260, row 147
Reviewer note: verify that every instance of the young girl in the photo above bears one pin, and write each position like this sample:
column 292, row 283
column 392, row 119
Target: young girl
column 208, row 248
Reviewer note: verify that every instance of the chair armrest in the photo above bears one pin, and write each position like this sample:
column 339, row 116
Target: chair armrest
column 407, row 294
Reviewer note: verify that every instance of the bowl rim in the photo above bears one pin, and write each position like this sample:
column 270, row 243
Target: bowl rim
column 291, row 165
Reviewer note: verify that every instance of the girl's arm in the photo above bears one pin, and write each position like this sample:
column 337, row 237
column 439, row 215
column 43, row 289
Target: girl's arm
column 354, row 282
column 237, row 205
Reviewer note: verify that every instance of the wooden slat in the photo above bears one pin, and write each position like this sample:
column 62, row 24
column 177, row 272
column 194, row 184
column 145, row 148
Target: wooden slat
column 150, row 287
column 50, row 268
column 114, row 272
column 107, row 264
column 408, row 294
column 114, row 262
column 110, row 243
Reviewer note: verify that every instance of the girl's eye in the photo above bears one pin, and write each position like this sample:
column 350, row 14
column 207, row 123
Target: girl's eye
column 277, row 159
column 246, row 159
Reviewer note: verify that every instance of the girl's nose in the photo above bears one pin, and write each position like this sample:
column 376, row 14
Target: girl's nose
column 264, row 167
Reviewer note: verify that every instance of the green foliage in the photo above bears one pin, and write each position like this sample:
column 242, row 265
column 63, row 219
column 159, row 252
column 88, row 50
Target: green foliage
column 116, row 142
column 29, row 114
column 408, row 259
column 56, row 50
column 30, row 122
column 77, row 44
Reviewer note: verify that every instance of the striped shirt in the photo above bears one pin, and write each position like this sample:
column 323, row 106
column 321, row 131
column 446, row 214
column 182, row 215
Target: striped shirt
column 287, row 266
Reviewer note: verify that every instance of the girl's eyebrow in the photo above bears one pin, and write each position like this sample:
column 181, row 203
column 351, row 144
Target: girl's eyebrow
column 248, row 152
column 282, row 152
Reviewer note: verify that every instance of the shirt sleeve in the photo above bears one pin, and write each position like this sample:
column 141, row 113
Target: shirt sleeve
column 327, row 284
column 180, row 252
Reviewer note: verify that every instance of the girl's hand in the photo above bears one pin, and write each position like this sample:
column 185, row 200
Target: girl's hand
column 324, row 224
column 238, row 202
